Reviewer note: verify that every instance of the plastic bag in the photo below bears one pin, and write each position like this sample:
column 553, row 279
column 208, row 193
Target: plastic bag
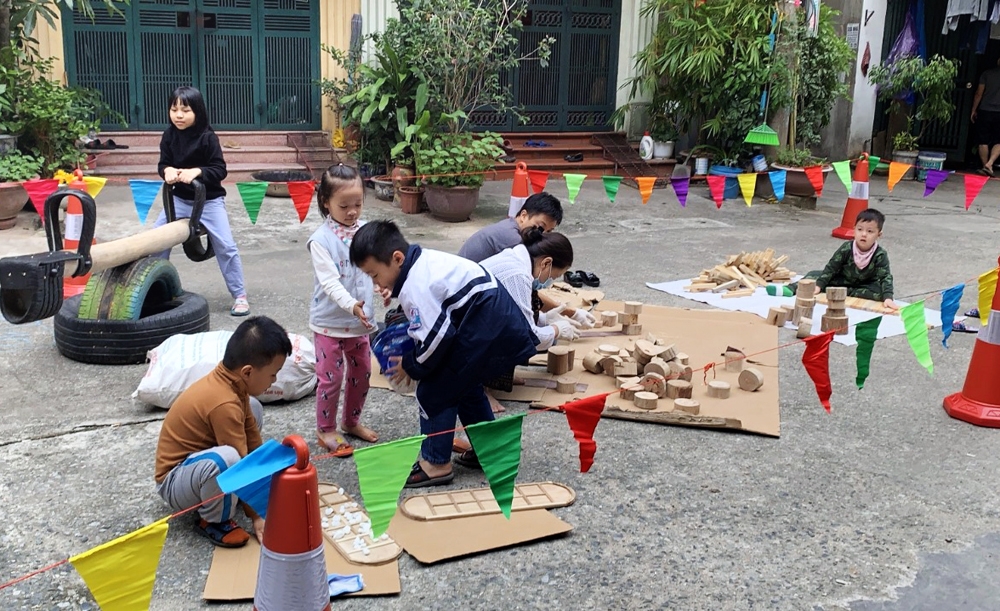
column 393, row 341
column 907, row 44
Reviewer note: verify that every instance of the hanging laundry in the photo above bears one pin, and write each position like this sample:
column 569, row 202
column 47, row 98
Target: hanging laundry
column 978, row 10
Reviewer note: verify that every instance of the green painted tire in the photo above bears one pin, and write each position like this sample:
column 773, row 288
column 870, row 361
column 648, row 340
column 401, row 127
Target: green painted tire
column 127, row 291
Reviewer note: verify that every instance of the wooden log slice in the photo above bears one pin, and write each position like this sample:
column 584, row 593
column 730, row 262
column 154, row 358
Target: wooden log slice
column 679, row 389
column 688, row 406
column 592, row 362
column 734, row 362
column 717, row 389
column 645, row 400
column 751, row 379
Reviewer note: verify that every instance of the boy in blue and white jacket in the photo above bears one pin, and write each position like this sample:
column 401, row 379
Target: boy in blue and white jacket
column 466, row 327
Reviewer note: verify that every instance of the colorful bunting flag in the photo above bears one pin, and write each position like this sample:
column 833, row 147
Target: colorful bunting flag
column 717, row 187
column 816, row 360
column 916, row 333
column 896, row 172
column 949, row 307
column 144, row 193
column 973, row 185
column 873, row 162
column 94, row 184
column 538, row 178
column 611, row 184
column 778, row 178
column 816, row 178
column 252, row 194
column 748, row 184
column 573, row 184
column 301, row 193
column 934, row 179
column 498, row 447
column 843, row 170
column 39, row 191
column 382, row 472
column 250, row 478
column 121, row 573
column 646, row 184
column 865, row 333
column 681, row 187
column 582, row 416
column 987, row 289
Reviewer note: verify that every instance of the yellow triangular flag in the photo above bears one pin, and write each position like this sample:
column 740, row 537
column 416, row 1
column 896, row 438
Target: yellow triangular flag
column 121, row 573
column 748, row 183
column 94, row 184
column 987, row 288
column 896, row 171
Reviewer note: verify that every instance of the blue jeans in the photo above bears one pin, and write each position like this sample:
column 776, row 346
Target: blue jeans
column 216, row 222
column 470, row 407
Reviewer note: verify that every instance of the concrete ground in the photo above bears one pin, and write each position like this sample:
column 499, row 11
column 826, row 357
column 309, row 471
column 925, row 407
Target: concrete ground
column 884, row 504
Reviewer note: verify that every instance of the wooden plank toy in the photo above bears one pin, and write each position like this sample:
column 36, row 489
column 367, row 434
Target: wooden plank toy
column 346, row 525
column 480, row 501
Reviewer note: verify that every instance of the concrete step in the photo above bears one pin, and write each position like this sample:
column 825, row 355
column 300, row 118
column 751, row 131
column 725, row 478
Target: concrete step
column 594, row 167
column 150, row 155
column 556, row 139
column 253, row 138
column 238, row 172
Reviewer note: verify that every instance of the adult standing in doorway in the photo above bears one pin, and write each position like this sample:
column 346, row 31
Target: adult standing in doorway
column 986, row 117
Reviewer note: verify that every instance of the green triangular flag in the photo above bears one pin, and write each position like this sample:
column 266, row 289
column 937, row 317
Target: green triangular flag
column 843, row 169
column 916, row 333
column 873, row 162
column 498, row 447
column 611, row 184
column 865, row 334
column 382, row 472
column 252, row 194
column 573, row 184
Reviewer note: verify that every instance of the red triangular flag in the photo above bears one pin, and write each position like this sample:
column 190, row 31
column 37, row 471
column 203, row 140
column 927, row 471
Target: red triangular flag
column 816, row 360
column 583, row 416
column 974, row 183
column 40, row 190
column 302, row 194
column 815, row 176
column 717, row 186
column 538, row 179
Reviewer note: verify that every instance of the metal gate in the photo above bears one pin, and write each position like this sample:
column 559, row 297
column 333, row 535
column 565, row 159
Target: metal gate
column 256, row 61
column 576, row 91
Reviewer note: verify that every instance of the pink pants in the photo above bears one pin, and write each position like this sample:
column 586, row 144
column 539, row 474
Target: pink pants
column 336, row 356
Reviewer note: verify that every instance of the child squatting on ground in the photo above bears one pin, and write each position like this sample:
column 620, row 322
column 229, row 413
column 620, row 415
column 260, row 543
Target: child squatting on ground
column 214, row 424
column 341, row 311
column 189, row 149
column 466, row 329
column 862, row 266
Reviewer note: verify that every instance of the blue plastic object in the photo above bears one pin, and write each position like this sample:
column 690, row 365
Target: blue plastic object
column 393, row 341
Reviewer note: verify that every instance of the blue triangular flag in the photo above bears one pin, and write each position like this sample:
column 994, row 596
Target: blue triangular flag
column 949, row 306
column 778, row 183
column 144, row 193
column 250, row 478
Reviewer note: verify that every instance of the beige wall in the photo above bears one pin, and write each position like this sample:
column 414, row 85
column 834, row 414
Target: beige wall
column 50, row 44
column 335, row 31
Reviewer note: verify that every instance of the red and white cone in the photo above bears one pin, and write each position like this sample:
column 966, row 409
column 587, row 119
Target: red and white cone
column 74, row 228
column 292, row 573
column 519, row 190
column 979, row 401
column 857, row 200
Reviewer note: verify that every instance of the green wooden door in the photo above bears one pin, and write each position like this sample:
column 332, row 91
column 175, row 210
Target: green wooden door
column 256, row 61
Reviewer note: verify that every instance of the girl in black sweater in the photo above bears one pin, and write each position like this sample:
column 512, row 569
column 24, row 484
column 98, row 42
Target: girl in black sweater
column 190, row 150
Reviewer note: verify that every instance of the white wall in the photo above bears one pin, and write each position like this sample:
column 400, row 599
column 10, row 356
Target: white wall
column 636, row 32
column 374, row 14
column 863, row 111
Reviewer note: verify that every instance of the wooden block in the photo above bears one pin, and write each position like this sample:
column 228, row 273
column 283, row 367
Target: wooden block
column 633, row 307
column 626, row 369
column 717, row 389
column 609, row 363
column 802, row 302
column 645, row 400
column 571, row 358
column 627, row 319
column 653, row 339
column 734, row 362
column 558, row 360
column 592, row 362
column 625, row 354
column 628, row 392
column 668, row 353
column 800, row 313
column 700, row 287
column 607, row 349
column 678, row 388
column 654, row 383
column 777, row 317
column 837, row 311
column 657, row 366
column 725, row 286
column 565, row 386
column 806, row 289
column 805, row 328
column 682, row 358
column 627, row 380
column 838, row 324
column 836, row 293
column 609, row 319
column 686, row 405
column 739, row 293
column 751, row 379
column 633, row 329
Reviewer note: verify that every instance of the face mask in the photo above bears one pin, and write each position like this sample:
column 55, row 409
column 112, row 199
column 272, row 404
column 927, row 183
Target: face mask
column 538, row 285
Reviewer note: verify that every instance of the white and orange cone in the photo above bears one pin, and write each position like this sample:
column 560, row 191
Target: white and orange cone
column 74, row 229
column 857, row 200
column 519, row 190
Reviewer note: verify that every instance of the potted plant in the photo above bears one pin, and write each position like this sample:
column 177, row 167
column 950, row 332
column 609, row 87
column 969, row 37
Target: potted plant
column 15, row 168
column 452, row 167
column 794, row 162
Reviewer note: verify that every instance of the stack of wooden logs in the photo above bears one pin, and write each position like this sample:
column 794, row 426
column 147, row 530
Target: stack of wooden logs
column 628, row 319
column 835, row 318
column 741, row 274
column 805, row 302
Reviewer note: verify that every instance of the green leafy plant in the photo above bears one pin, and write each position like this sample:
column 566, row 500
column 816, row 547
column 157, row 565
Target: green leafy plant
column 904, row 140
column 931, row 85
column 793, row 157
column 457, row 160
column 17, row 167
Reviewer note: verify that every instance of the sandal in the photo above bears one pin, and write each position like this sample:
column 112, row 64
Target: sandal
column 460, row 446
column 960, row 327
column 93, row 145
column 589, row 279
column 973, row 313
column 574, row 157
column 573, row 279
column 419, row 479
column 111, row 145
column 241, row 307
column 223, row 534
column 341, row 450
column 507, row 159
column 469, row 459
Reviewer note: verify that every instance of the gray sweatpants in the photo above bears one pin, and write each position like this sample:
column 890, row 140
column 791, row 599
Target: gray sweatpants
column 193, row 481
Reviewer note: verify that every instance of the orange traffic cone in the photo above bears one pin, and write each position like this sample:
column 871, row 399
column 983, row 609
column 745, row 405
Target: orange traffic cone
column 856, row 201
column 519, row 190
column 979, row 401
column 74, row 228
column 292, row 573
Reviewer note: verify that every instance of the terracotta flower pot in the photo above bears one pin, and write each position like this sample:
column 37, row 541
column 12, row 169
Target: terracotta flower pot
column 383, row 188
column 797, row 183
column 12, row 198
column 410, row 199
column 452, row 204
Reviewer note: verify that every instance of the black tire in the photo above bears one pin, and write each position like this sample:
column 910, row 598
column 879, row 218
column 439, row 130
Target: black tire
column 126, row 342
column 128, row 291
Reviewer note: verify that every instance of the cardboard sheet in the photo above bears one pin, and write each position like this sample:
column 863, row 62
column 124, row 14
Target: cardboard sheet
column 436, row 540
column 233, row 574
column 760, row 302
